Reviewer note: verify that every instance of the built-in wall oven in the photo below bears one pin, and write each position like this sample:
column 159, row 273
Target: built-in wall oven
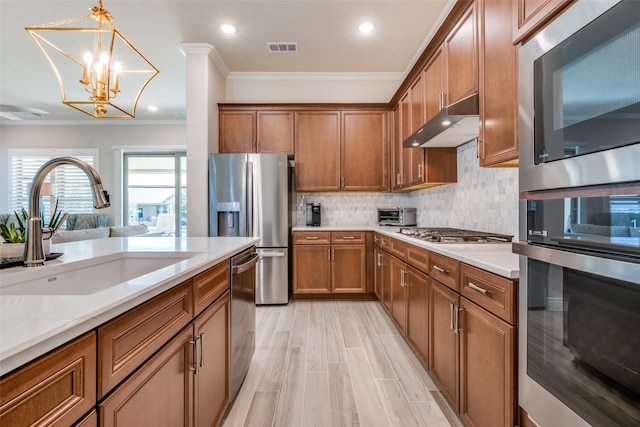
column 579, row 137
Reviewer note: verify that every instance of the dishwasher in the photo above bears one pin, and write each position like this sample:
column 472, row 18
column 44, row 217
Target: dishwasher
column 243, row 316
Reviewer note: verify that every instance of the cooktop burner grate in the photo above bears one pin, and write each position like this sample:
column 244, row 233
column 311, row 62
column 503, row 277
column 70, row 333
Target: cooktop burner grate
column 454, row 235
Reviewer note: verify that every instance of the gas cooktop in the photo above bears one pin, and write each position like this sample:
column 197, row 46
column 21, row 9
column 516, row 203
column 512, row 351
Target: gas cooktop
column 454, row 235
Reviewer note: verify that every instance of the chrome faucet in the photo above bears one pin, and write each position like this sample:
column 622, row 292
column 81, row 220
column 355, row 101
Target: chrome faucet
column 33, row 251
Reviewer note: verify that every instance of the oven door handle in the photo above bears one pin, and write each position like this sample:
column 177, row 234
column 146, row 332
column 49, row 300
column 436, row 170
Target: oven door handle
column 241, row 268
column 611, row 268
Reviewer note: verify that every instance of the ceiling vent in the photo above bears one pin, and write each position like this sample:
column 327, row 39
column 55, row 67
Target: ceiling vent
column 285, row 47
column 13, row 112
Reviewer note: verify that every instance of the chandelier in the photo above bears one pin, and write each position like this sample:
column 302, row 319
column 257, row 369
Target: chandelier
column 99, row 71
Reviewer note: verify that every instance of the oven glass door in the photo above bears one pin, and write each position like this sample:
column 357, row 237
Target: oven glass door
column 583, row 342
column 587, row 88
column 608, row 225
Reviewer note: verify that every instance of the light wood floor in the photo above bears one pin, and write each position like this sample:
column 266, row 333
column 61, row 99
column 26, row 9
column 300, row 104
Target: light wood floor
column 335, row 363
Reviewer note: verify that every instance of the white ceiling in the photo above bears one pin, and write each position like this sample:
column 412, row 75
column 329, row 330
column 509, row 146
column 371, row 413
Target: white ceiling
column 328, row 42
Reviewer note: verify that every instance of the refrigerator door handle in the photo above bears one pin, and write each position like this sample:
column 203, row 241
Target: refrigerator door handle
column 249, row 199
column 271, row 254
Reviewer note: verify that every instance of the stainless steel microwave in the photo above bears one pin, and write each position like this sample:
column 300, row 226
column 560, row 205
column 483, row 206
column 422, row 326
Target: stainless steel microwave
column 396, row 216
column 579, row 98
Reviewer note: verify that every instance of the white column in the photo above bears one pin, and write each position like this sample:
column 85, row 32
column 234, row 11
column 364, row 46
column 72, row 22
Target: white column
column 199, row 110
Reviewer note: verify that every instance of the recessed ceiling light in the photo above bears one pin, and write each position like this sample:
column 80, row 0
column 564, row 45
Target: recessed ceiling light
column 152, row 108
column 228, row 28
column 366, row 27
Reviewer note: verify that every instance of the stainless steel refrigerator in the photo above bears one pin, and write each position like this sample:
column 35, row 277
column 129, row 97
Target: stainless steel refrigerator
column 249, row 196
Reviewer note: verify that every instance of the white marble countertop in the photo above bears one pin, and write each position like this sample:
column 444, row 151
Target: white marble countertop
column 31, row 325
column 494, row 257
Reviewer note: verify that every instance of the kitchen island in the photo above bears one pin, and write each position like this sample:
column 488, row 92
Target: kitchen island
column 33, row 323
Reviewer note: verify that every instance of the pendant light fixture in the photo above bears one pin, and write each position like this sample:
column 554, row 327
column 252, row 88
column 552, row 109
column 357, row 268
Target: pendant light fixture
column 99, row 71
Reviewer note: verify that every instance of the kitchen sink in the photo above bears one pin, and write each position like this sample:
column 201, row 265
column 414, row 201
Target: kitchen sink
column 97, row 274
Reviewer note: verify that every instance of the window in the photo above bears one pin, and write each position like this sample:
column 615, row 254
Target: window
column 155, row 191
column 69, row 184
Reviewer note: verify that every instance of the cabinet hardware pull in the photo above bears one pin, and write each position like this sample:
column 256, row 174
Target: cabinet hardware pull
column 398, row 179
column 478, row 288
column 333, row 254
column 379, row 260
column 451, row 316
column 201, row 350
column 439, row 269
column 312, row 237
column 402, row 278
column 456, row 319
column 348, row 238
column 194, row 359
column 420, row 170
column 329, row 254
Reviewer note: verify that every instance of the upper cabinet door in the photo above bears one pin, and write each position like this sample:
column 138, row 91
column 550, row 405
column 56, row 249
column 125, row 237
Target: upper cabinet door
column 364, row 159
column 498, row 142
column 529, row 16
column 317, row 146
column 275, row 132
column 237, row 132
column 434, row 85
column 462, row 58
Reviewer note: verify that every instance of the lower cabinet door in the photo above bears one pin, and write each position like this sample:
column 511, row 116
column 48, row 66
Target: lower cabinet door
column 487, row 375
column 418, row 311
column 312, row 269
column 348, row 272
column 212, row 374
column 398, row 293
column 443, row 341
column 55, row 390
column 159, row 394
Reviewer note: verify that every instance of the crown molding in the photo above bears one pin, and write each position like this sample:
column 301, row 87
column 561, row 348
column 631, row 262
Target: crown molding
column 313, row 76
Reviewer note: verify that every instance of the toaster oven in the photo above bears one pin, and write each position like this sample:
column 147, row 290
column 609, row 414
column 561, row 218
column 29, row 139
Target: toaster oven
column 397, row 216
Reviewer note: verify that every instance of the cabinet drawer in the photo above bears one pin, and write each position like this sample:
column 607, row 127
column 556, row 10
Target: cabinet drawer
column 209, row 285
column 491, row 292
column 312, row 238
column 445, row 270
column 128, row 340
column 382, row 241
column 345, row 237
column 398, row 249
column 418, row 258
column 56, row 389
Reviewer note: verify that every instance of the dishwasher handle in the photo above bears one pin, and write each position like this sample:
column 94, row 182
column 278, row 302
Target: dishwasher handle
column 241, row 268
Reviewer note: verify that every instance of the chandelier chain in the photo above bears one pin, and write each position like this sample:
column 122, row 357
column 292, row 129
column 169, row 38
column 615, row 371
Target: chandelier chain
column 62, row 22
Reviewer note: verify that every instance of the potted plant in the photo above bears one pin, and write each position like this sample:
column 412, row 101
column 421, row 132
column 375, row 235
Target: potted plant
column 12, row 248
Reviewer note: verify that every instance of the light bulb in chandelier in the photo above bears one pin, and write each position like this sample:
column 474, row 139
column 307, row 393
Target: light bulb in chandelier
column 92, row 78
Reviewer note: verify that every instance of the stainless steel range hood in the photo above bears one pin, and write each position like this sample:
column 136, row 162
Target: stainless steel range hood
column 452, row 126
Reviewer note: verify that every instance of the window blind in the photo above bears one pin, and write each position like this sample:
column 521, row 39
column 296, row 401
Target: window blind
column 70, row 184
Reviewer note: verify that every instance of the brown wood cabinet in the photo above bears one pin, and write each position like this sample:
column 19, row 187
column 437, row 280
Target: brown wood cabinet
column 434, row 77
column 144, row 398
column 417, row 285
column 364, row 151
column 444, row 352
column 487, row 368
column 461, row 322
column 497, row 141
column 54, row 390
column 382, row 280
column 398, row 293
column 211, row 379
column 237, row 132
column 275, row 132
column 255, row 131
column 530, row 16
column 194, row 366
column 90, row 420
column 461, row 58
column 128, row 340
column 317, row 148
column 331, row 262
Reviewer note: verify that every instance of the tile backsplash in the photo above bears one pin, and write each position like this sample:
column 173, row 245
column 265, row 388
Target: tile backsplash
column 484, row 199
